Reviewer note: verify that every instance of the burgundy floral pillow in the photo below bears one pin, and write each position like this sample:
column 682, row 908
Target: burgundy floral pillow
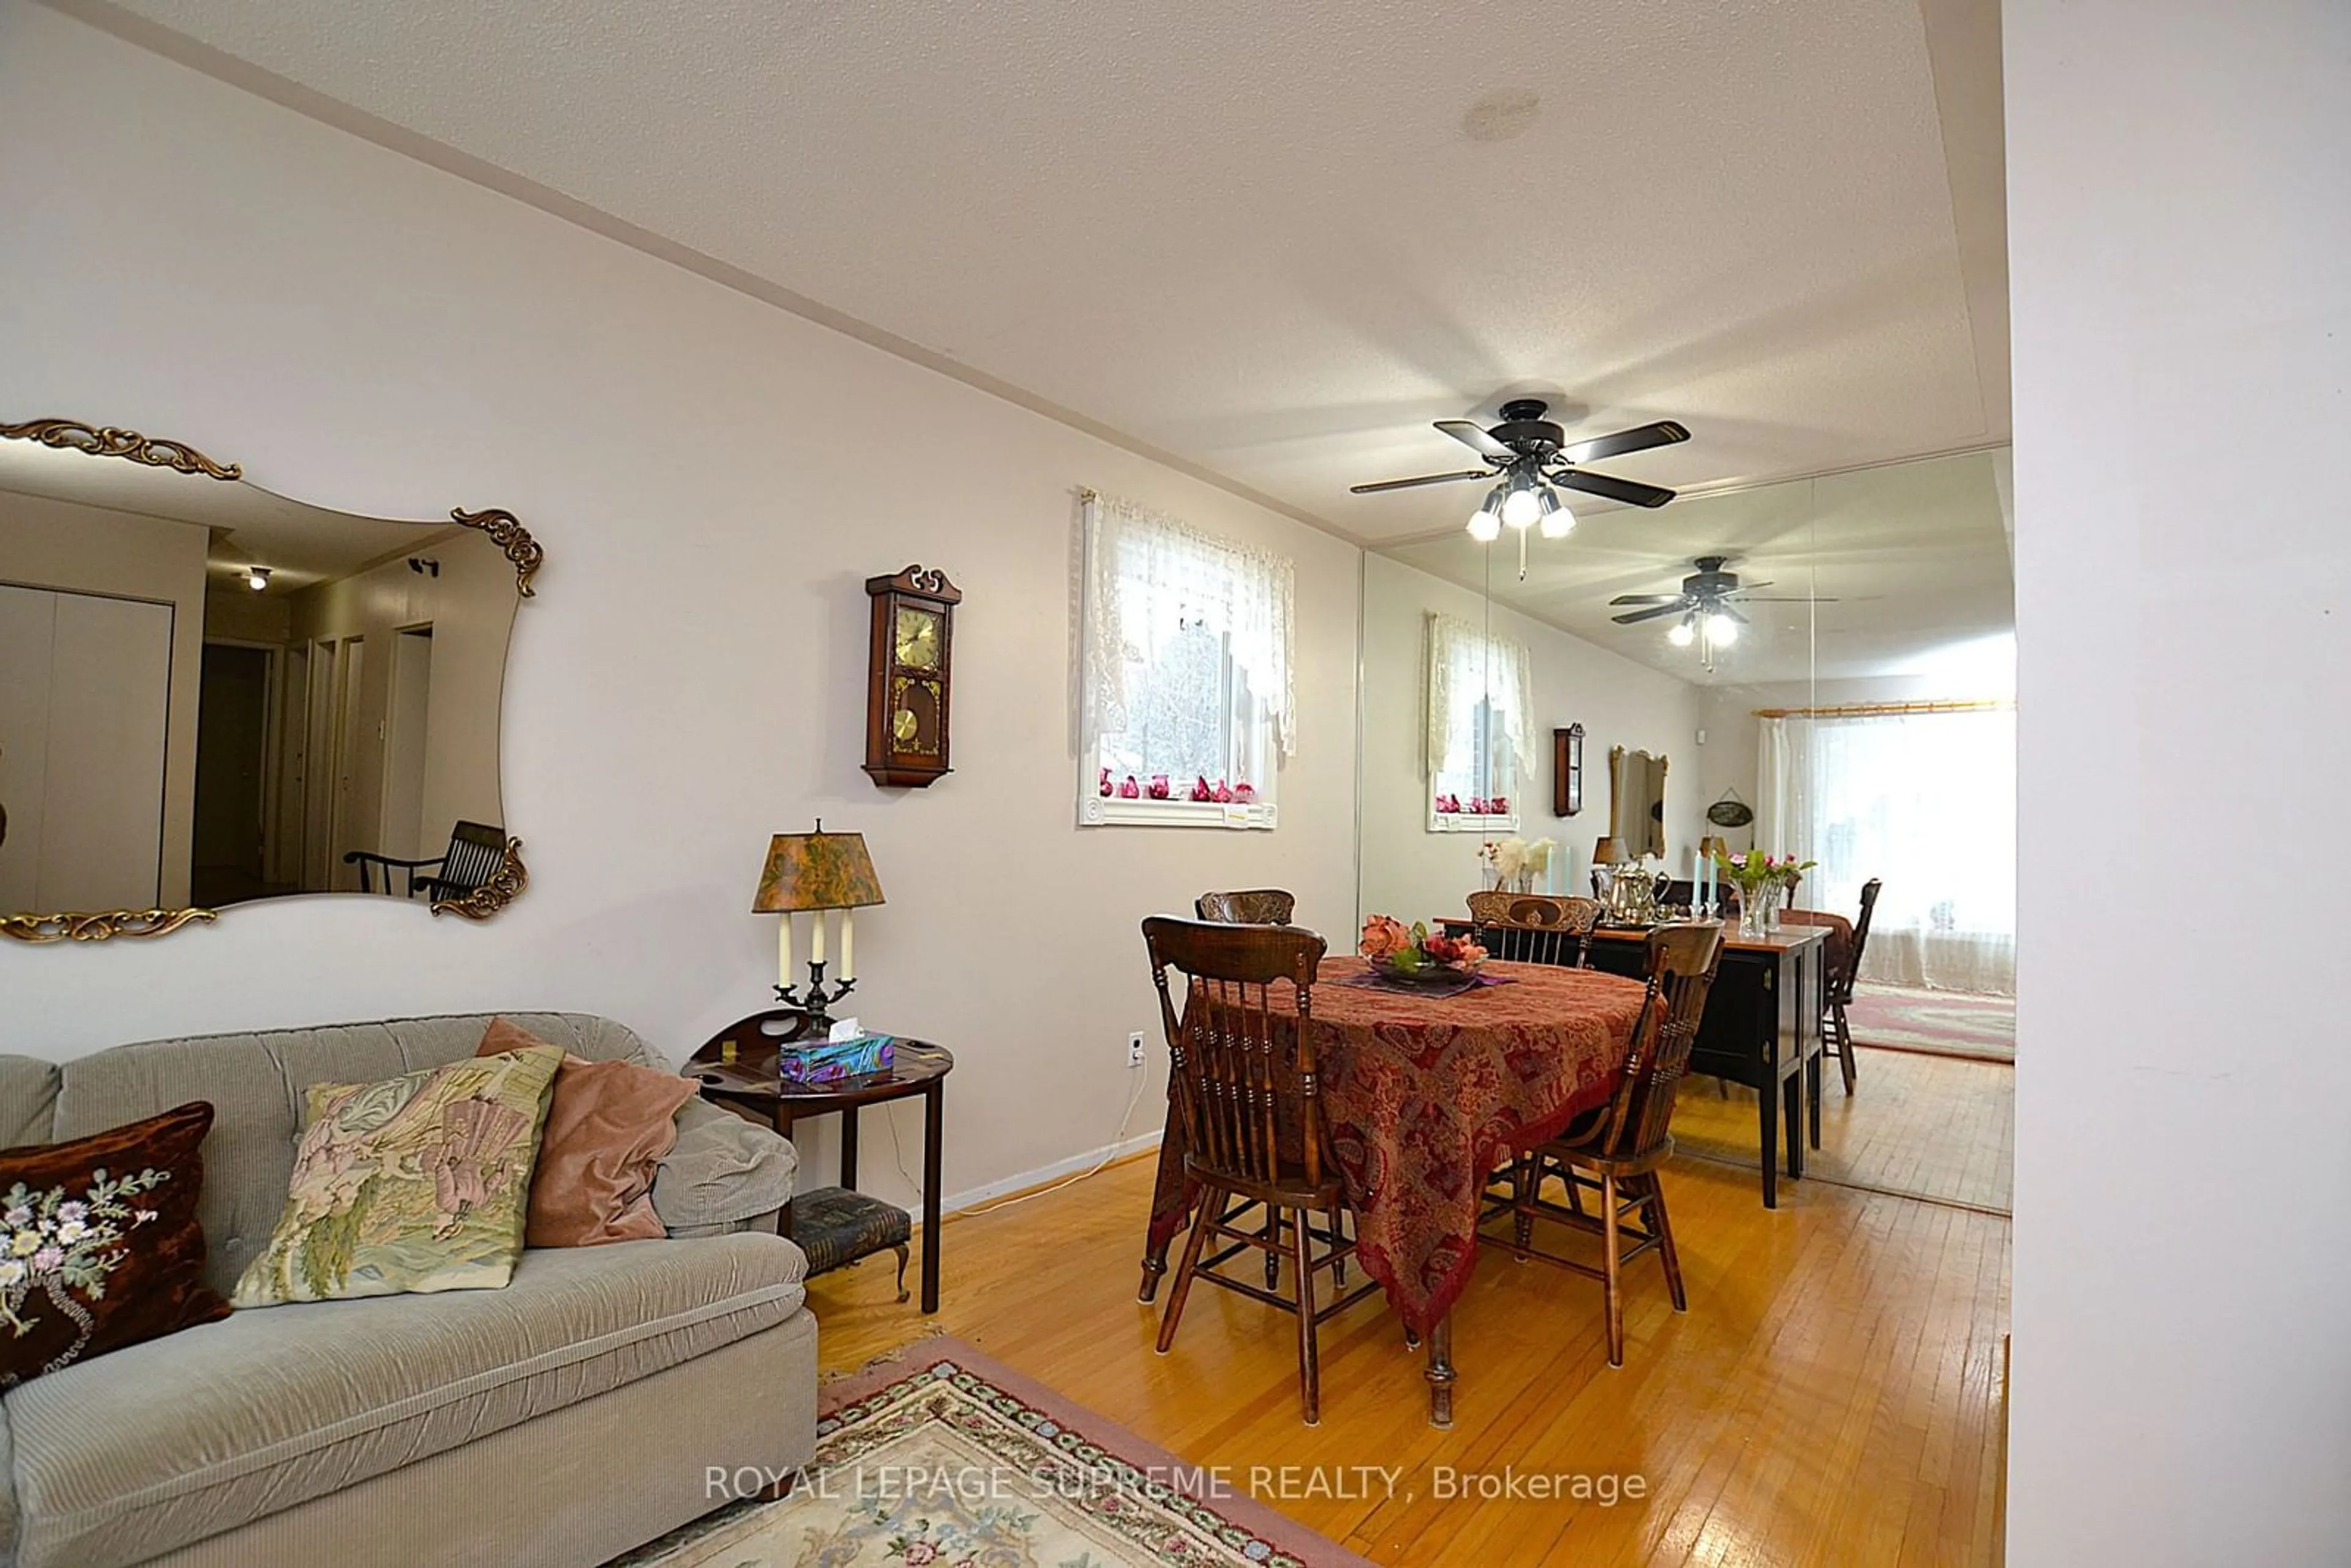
column 100, row 1246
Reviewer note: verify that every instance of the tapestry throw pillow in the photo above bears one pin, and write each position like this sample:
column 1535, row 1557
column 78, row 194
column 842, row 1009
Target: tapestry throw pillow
column 611, row 1125
column 100, row 1246
column 416, row 1184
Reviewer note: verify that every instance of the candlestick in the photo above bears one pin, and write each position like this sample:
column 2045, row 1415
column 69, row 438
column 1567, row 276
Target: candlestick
column 816, row 948
column 784, row 953
column 848, row 944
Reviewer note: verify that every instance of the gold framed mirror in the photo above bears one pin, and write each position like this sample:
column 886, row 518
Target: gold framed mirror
column 211, row 695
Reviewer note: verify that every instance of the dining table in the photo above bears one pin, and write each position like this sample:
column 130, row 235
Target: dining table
column 1425, row 1096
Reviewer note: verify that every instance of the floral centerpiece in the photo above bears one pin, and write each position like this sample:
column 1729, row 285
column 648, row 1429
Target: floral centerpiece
column 1415, row 952
column 1761, row 880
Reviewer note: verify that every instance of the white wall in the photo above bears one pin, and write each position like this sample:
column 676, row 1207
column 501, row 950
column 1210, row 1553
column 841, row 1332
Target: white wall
column 2179, row 187
column 1415, row 875
column 706, row 472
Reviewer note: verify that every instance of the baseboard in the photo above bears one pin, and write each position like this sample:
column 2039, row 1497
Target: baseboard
column 972, row 1198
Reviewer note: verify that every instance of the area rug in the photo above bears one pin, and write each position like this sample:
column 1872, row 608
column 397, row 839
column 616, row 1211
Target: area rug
column 1943, row 1023
column 950, row 1460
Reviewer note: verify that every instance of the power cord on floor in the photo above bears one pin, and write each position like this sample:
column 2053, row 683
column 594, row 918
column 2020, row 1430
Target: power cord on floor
column 1134, row 1098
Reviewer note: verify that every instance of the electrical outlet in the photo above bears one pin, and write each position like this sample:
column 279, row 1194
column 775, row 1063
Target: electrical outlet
column 1135, row 1049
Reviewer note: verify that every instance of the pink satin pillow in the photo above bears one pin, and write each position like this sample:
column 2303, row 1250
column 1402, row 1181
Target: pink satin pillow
column 608, row 1126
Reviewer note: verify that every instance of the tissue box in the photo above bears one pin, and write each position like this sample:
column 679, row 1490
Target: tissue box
column 837, row 1063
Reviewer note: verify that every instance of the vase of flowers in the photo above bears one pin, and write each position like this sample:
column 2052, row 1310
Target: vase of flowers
column 1762, row 881
column 1415, row 954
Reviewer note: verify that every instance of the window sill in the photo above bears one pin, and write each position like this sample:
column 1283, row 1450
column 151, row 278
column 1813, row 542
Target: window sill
column 1111, row 811
column 1471, row 823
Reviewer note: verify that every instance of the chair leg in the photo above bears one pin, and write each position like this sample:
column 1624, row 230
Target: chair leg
column 1273, row 1244
column 1526, row 1180
column 1844, row 1045
column 1615, row 1272
column 1211, row 1204
column 1663, row 1229
column 1309, row 1366
column 1339, row 1237
column 900, row 1250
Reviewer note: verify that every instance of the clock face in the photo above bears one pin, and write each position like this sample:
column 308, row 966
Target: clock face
column 915, row 707
column 918, row 639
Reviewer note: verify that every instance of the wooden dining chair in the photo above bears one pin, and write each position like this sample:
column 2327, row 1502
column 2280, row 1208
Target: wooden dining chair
column 1535, row 929
column 1248, row 1101
column 1839, row 985
column 1615, row 1153
column 1257, row 906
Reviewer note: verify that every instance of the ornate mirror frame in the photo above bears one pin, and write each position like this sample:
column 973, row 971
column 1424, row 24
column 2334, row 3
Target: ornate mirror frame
column 501, row 528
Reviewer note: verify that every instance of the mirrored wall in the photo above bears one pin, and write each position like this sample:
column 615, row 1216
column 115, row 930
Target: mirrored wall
column 1718, row 654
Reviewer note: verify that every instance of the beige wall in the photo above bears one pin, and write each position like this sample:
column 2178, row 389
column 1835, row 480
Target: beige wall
column 1413, row 874
column 702, row 470
column 47, row 543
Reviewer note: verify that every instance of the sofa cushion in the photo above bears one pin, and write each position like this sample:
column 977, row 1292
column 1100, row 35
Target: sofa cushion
column 166, row 1443
column 255, row 1083
column 416, row 1184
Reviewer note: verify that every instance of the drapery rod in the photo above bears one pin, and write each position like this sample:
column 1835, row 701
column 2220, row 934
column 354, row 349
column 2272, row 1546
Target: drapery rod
column 1088, row 493
column 1875, row 710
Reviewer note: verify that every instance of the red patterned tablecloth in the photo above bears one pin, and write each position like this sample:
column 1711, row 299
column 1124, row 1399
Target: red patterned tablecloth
column 1426, row 1095
column 1838, row 956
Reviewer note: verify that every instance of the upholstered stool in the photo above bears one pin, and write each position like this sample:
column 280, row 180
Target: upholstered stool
column 835, row 1225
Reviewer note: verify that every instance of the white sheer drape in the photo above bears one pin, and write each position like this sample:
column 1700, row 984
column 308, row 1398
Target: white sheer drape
column 1924, row 801
column 1144, row 565
column 1466, row 665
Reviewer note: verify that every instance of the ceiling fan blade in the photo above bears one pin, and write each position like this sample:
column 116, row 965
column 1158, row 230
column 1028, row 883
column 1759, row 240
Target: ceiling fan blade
column 1632, row 492
column 1647, row 598
column 1724, row 606
column 1423, row 479
column 1475, row 438
column 1640, row 615
column 1784, row 598
column 1640, row 438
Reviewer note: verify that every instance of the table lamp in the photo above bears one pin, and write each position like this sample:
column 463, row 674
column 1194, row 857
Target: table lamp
column 1609, row 850
column 817, row 873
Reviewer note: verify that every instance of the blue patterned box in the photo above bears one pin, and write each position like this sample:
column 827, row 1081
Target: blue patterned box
column 835, row 1063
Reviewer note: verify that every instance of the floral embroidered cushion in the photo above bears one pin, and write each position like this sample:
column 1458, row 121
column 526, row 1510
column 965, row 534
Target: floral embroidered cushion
column 418, row 1182
column 100, row 1246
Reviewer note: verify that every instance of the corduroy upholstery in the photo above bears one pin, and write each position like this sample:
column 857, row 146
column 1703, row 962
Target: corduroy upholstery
column 210, row 1444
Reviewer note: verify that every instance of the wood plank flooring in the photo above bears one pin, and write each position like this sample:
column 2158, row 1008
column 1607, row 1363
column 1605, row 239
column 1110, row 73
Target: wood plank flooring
column 1941, row 1127
column 1832, row 1396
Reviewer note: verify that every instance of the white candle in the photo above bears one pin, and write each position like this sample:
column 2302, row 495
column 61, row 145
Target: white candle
column 848, row 944
column 816, row 948
column 784, row 952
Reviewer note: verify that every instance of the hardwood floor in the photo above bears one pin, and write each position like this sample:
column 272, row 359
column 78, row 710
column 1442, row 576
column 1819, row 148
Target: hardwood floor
column 1940, row 1127
column 1832, row 1396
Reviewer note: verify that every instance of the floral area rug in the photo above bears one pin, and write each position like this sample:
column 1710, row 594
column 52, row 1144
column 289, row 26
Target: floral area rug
column 949, row 1460
column 1944, row 1023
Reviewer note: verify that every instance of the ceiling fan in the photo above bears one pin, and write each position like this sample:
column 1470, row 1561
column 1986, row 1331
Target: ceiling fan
column 1708, row 605
column 1529, row 454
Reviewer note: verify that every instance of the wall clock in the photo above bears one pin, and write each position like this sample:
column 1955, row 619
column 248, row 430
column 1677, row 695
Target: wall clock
column 1567, row 770
column 909, row 671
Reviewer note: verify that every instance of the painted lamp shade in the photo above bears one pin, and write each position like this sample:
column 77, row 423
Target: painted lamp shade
column 1608, row 852
column 816, row 871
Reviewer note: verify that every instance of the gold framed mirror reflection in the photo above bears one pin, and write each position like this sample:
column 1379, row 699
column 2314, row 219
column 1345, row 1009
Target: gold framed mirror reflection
column 211, row 695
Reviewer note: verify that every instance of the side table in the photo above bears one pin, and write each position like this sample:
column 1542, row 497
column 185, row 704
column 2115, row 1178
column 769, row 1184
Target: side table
column 851, row 1224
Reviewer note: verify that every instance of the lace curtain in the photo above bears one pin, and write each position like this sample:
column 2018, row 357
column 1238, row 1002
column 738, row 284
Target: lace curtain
column 1144, row 565
column 1925, row 802
column 1465, row 664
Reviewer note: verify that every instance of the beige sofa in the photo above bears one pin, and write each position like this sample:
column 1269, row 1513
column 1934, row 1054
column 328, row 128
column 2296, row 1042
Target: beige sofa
column 569, row 1417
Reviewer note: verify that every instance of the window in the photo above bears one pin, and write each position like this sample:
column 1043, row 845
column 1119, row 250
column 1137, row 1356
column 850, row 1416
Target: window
column 1186, row 697
column 1480, row 731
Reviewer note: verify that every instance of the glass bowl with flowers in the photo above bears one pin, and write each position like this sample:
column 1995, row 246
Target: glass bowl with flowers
column 1417, row 955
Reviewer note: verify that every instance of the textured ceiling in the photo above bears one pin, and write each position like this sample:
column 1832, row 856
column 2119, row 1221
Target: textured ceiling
column 1914, row 556
column 1273, row 241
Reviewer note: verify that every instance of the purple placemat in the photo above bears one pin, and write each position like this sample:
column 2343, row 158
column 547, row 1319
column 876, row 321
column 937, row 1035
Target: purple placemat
column 1373, row 980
